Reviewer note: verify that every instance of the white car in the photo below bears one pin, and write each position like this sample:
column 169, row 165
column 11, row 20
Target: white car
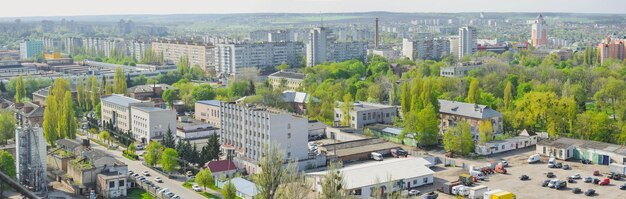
column 414, row 192
column 158, row 179
column 575, row 176
column 145, row 173
column 196, row 188
column 163, row 191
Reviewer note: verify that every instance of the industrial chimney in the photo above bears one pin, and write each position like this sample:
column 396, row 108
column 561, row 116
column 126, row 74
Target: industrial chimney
column 376, row 35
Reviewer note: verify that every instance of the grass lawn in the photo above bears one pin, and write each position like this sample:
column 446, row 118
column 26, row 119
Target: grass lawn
column 136, row 193
column 205, row 194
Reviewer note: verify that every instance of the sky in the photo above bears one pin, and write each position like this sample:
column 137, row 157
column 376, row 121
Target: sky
column 22, row 8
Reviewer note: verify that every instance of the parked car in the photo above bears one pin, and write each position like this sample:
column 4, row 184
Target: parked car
column 596, row 181
column 566, row 167
column 560, row 185
column 534, row 158
column 399, row 152
column 175, row 197
column 550, row 175
column 558, row 165
column 504, row 163
column 596, row 173
column 585, row 161
column 189, row 173
column 523, row 177
column 376, row 156
column 570, row 179
column 590, row 192
column 553, row 183
column 588, row 180
column 551, row 165
column 622, row 187
column 414, row 192
column 545, row 183
column 140, row 147
column 145, row 173
column 158, row 179
column 196, row 188
column 576, row 190
column 430, row 195
column 605, row 181
column 575, row 176
column 615, row 176
column 163, row 191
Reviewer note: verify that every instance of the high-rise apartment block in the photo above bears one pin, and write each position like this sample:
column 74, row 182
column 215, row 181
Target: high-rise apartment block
column 322, row 48
column 231, row 58
column 199, row 54
column 539, row 32
column 612, row 47
column 29, row 49
column 467, row 41
column 248, row 130
column 426, row 48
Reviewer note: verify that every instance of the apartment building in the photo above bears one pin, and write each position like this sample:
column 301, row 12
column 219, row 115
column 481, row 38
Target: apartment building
column 612, row 47
column 29, row 49
column 247, row 130
column 453, row 112
column 231, row 58
column 197, row 53
column 363, row 113
column 292, row 80
column 426, row 48
column 467, row 41
column 209, row 111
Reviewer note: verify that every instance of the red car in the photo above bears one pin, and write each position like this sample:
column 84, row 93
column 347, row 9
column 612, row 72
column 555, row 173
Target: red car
column 596, row 173
column 605, row 181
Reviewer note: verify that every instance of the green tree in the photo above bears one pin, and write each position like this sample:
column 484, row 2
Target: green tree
column 169, row 96
column 169, row 160
column 80, row 93
column 333, row 183
column 132, row 148
column 272, row 173
column 7, row 126
column 119, row 81
column 229, row 191
column 20, row 90
column 611, row 94
column 50, row 125
column 95, row 93
column 508, row 95
column 283, row 66
column 474, row 93
column 168, row 139
column 458, row 139
column 153, row 153
column 346, row 107
column 7, row 166
column 104, row 135
column 67, row 122
column 485, row 129
column 108, row 90
column 405, row 101
column 203, row 92
column 205, row 178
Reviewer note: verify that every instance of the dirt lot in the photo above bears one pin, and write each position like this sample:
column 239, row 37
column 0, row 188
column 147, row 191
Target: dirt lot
column 537, row 173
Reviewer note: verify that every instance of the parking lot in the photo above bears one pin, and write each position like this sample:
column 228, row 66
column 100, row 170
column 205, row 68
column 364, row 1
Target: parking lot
column 537, row 172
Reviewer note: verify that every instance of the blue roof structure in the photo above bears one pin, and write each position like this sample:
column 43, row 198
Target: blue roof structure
column 210, row 102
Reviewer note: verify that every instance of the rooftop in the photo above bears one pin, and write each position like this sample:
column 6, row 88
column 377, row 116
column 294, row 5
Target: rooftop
column 295, row 97
column 148, row 88
column 289, row 75
column 244, row 186
column 210, row 102
column 364, row 106
column 392, row 169
column 586, row 144
column 343, row 149
column 467, row 109
column 221, row 165
column 149, row 108
column 120, row 100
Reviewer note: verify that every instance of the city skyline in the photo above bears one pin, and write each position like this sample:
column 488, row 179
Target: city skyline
column 140, row 7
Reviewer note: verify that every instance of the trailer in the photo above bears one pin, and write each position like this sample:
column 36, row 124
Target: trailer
column 477, row 192
column 488, row 194
column 447, row 187
column 503, row 195
column 618, row 168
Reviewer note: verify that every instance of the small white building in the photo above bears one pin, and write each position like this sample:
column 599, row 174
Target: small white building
column 361, row 179
column 525, row 139
column 364, row 113
column 151, row 122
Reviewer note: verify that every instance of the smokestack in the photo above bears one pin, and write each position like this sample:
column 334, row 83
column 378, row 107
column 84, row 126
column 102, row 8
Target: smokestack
column 376, row 35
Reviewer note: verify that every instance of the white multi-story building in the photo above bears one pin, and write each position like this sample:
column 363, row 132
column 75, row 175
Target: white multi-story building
column 467, row 41
column 151, row 122
column 322, row 48
column 141, row 118
column 316, row 46
column 363, row 113
column 248, row 130
column 426, row 48
column 454, row 45
column 231, row 58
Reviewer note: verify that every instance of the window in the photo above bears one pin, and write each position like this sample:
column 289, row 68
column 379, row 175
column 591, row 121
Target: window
column 425, row 180
column 121, row 183
column 387, row 114
column 502, row 147
column 357, row 192
column 288, row 126
column 414, row 182
column 111, row 184
column 288, row 154
column 288, row 135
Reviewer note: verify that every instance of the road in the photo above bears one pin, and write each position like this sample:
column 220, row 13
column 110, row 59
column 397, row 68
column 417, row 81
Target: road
column 173, row 185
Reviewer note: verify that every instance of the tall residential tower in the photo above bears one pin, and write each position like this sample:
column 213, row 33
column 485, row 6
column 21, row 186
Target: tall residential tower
column 539, row 32
column 467, row 41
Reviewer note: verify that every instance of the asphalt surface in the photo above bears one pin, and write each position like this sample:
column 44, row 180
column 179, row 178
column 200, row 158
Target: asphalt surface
column 174, row 185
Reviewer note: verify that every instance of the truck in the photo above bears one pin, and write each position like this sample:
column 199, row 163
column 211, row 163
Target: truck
column 477, row 174
column 488, row 194
column 500, row 169
column 503, row 195
column 477, row 192
column 618, row 168
column 466, row 179
column 534, row 158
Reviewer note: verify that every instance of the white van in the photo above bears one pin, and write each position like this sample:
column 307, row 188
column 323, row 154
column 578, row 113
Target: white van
column 477, row 174
column 457, row 190
column 534, row 158
column 376, row 156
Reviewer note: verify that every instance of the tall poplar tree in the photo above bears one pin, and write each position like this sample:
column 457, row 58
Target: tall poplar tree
column 95, row 93
column 473, row 94
column 20, row 89
column 49, row 123
column 119, row 81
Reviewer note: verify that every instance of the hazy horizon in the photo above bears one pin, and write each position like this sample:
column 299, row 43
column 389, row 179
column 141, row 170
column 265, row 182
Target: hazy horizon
column 26, row 8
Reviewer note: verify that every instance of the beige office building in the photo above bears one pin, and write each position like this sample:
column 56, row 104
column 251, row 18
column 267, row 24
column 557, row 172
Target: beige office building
column 199, row 54
column 208, row 111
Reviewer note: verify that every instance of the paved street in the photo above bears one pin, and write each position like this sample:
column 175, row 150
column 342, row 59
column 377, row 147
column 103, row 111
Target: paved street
column 173, row 185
